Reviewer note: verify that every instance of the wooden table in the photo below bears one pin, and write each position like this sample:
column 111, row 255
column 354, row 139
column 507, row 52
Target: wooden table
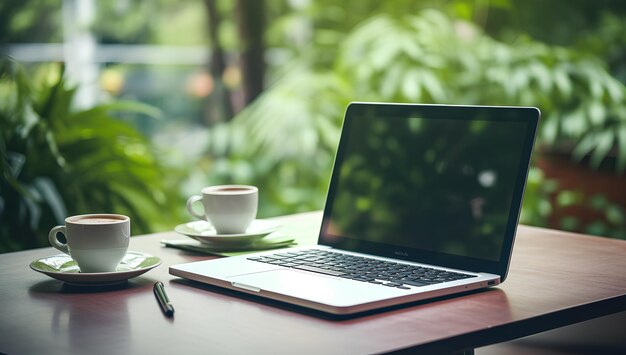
column 556, row 279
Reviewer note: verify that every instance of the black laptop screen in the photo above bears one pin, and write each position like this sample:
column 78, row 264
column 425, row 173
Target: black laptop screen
column 447, row 185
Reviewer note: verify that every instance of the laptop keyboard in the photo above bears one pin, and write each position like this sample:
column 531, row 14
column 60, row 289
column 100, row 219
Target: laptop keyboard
column 375, row 271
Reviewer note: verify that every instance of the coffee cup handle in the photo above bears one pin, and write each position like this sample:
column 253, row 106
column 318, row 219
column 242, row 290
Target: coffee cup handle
column 52, row 237
column 193, row 199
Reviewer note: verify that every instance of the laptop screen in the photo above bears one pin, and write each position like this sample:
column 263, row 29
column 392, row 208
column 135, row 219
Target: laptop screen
column 441, row 183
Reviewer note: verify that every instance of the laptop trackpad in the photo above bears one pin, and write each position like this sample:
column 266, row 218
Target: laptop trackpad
column 306, row 285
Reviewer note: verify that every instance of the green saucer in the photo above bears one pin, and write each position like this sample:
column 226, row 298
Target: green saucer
column 204, row 232
column 63, row 267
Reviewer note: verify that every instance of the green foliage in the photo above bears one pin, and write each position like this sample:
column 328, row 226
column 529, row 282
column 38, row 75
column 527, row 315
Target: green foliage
column 426, row 58
column 430, row 58
column 57, row 161
column 536, row 207
column 323, row 54
column 157, row 22
column 284, row 141
column 614, row 222
column 609, row 43
column 30, row 21
column 611, row 221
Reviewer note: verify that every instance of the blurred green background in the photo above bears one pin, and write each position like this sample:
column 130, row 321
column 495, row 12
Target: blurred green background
column 132, row 106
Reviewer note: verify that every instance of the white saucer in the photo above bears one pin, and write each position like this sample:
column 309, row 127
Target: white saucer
column 204, row 232
column 63, row 267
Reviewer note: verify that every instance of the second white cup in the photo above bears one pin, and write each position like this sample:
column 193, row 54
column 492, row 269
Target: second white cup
column 229, row 208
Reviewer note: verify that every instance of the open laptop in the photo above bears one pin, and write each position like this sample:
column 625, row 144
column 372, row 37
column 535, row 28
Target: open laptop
column 423, row 202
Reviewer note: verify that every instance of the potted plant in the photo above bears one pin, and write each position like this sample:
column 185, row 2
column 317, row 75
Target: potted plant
column 56, row 161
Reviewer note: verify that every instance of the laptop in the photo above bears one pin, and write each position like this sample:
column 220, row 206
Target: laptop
column 423, row 202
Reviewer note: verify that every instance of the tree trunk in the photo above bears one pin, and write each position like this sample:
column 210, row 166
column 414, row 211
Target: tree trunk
column 251, row 25
column 219, row 106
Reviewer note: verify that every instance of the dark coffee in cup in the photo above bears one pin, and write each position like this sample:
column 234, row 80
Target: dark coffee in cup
column 96, row 219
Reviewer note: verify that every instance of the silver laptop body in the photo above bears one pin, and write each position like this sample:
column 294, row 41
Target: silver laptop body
column 414, row 187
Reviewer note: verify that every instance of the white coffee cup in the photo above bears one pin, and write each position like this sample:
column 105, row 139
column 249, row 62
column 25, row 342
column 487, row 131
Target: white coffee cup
column 229, row 208
column 97, row 242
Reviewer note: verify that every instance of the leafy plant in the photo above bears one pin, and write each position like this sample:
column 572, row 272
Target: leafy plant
column 536, row 207
column 614, row 221
column 284, row 141
column 278, row 142
column 56, row 161
column 430, row 58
